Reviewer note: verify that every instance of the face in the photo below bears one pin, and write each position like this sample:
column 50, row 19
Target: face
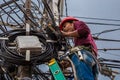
column 68, row 27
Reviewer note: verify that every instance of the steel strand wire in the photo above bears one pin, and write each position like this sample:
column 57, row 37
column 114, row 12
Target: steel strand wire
column 12, row 18
column 14, row 12
column 3, row 29
column 49, row 11
column 25, row 13
column 109, row 60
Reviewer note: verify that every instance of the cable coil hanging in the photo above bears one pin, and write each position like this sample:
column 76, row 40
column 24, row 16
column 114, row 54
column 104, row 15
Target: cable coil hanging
column 14, row 57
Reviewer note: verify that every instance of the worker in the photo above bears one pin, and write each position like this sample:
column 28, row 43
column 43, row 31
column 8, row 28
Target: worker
column 86, row 68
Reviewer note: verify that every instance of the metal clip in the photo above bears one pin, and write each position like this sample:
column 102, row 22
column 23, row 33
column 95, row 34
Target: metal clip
column 79, row 54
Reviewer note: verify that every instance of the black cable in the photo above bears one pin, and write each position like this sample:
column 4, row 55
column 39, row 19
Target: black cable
column 66, row 9
column 2, row 29
column 10, row 55
column 105, row 31
column 109, row 64
column 2, row 12
column 38, row 3
column 96, row 23
column 14, row 12
column 105, row 49
column 11, row 17
column 49, row 12
column 114, row 66
column 5, row 4
column 108, row 60
column 94, row 18
column 56, row 28
column 98, row 18
column 7, row 76
column 25, row 13
column 5, row 29
column 41, row 73
column 102, row 39
column 10, row 12
column 33, row 10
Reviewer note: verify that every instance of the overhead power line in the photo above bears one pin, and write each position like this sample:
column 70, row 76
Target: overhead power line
column 93, row 18
column 96, row 23
column 66, row 8
column 105, row 49
column 105, row 31
column 96, row 38
column 5, row 4
column 97, row 18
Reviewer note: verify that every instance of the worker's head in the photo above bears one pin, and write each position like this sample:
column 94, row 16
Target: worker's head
column 67, row 24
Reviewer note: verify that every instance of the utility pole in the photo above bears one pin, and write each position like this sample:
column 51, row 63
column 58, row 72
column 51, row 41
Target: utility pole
column 25, row 72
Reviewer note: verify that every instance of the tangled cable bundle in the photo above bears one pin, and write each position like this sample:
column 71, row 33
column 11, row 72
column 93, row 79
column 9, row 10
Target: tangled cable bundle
column 13, row 56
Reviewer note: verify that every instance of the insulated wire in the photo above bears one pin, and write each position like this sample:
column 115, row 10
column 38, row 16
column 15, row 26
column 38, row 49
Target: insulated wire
column 3, row 29
column 49, row 12
column 11, row 17
column 108, row 24
column 14, row 12
column 40, row 73
column 10, row 56
column 66, row 8
column 105, row 31
column 117, row 20
column 102, row 39
column 24, row 13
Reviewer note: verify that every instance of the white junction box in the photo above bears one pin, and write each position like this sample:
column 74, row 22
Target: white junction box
column 31, row 43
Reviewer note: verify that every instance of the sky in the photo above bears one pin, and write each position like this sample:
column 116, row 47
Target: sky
column 105, row 9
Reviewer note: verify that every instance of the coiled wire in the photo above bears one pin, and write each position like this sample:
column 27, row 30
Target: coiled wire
column 14, row 57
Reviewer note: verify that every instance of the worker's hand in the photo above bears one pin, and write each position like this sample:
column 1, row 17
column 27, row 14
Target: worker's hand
column 65, row 33
column 65, row 64
column 70, row 33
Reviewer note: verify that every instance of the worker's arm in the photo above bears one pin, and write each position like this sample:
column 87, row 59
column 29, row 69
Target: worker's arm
column 82, row 29
column 70, row 34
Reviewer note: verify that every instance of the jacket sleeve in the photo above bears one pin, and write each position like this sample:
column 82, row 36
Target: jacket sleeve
column 82, row 29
